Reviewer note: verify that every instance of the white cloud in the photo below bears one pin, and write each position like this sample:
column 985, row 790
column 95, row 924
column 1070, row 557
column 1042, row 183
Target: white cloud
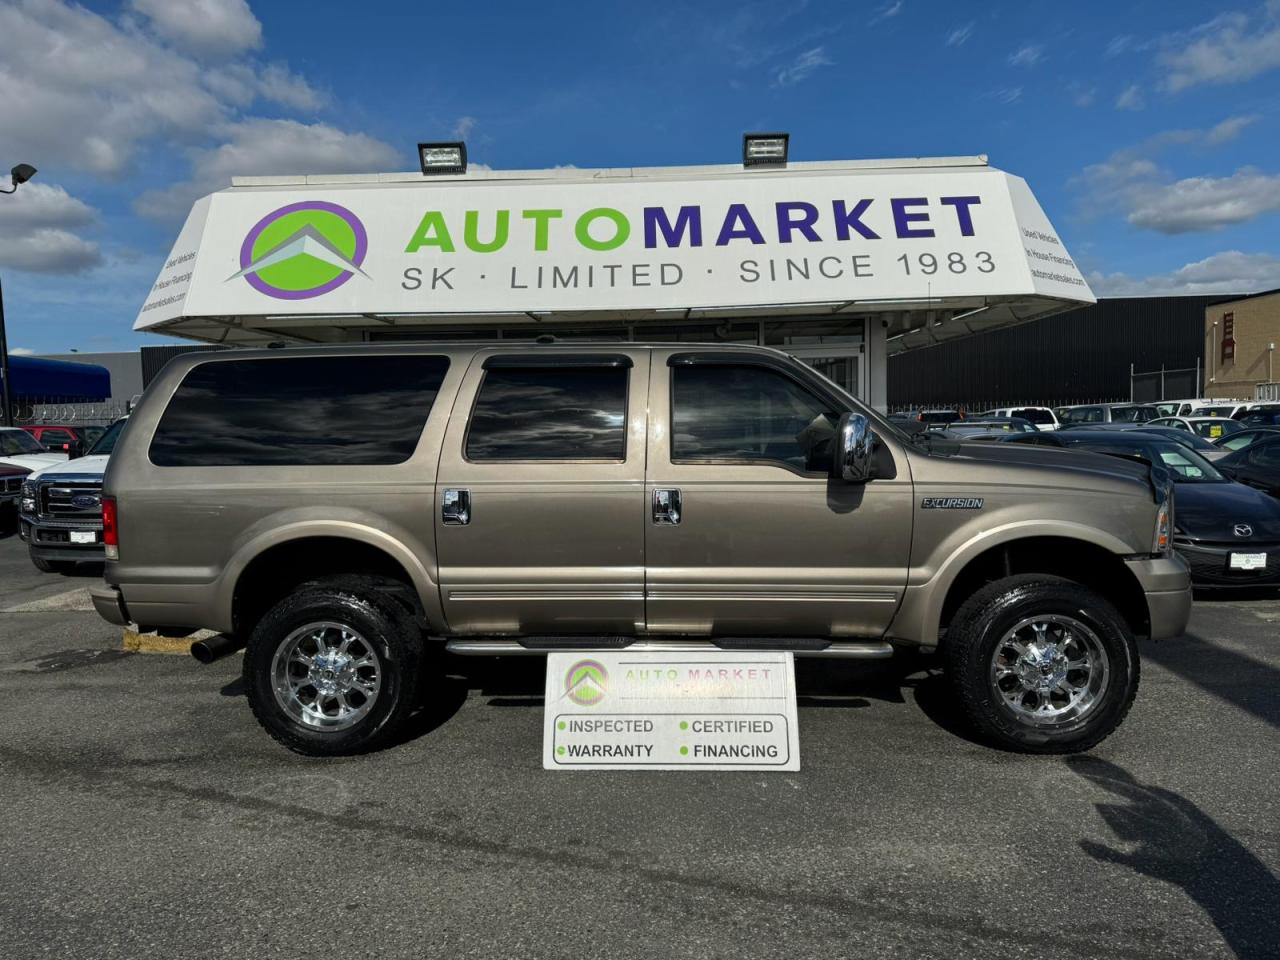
column 1206, row 203
column 1081, row 95
column 462, row 129
column 1132, row 182
column 960, row 35
column 1117, row 46
column 1004, row 94
column 1131, row 98
column 803, row 65
column 36, row 224
column 86, row 92
column 21, row 352
column 890, row 9
column 217, row 28
column 1227, row 272
column 1027, row 56
column 260, row 147
column 1230, row 48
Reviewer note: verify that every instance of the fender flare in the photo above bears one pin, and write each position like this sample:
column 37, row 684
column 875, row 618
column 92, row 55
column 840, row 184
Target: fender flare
column 924, row 619
column 423, row 583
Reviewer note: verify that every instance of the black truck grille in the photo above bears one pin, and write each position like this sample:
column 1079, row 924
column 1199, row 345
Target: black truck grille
column 71, row 500
column 10, row 485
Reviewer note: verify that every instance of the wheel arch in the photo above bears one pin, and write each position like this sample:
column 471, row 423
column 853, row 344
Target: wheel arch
column 1075, row 552
column 280, row 559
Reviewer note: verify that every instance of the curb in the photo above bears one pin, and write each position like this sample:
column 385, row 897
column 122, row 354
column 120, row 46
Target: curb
column 136, row 642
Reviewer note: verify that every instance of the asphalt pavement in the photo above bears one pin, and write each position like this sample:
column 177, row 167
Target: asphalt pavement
column 146, row 815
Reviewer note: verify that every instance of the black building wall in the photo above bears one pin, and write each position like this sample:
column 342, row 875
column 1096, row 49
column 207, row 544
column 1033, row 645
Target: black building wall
column 1075, row 357
column 154, row 358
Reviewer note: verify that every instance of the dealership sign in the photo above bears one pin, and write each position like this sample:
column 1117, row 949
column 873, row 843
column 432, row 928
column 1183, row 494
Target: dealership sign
column 493, row 246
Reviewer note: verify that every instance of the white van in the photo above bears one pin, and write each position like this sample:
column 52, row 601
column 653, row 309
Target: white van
column 1043, row 417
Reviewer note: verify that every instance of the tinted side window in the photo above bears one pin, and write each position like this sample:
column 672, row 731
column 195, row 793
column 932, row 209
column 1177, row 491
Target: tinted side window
column 749, row 413
column 298, row 411
column 1266, row 455
column 550, row 413
column 1034, row 416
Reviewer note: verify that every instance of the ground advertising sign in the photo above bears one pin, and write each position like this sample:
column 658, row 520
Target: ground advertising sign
column 670, row 711
column 493, row 246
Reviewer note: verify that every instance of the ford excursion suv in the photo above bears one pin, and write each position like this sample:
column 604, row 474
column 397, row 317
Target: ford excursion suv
column 344, row 513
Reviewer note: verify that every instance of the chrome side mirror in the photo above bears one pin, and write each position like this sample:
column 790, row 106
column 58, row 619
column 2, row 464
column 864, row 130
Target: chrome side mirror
column 855, row 443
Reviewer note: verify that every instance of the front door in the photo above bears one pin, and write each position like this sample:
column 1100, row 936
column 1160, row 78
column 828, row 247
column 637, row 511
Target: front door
column 762, row 542
column 540, row 494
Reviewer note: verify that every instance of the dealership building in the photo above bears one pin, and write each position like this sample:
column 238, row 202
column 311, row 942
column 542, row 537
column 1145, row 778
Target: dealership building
column 840, row 263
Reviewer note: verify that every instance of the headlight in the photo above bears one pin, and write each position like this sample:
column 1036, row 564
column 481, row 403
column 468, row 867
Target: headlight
column 1163, row 539
column 28, row 489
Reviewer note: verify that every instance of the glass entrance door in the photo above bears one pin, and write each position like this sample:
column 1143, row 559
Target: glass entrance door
column 837, row 364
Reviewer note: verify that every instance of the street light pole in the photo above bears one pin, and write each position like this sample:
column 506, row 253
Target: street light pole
column 17, row 177
column 4, row 363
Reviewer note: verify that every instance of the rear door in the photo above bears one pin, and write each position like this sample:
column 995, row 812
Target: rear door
column 540, row 493
column 746, row 534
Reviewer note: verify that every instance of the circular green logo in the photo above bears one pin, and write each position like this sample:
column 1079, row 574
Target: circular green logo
column 586, row 682
column 303, row 250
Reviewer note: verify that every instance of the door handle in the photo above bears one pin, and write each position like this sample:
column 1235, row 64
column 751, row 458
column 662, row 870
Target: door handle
column 666, row 507
column 455, row 507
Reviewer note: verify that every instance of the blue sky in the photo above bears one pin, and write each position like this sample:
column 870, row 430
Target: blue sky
column 1149, row 130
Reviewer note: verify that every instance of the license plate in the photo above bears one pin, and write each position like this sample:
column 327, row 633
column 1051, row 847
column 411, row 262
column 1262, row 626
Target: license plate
column 1247, row 561
column 90, row 536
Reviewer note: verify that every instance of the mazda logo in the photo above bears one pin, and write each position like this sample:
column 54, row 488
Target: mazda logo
column 1243, row 530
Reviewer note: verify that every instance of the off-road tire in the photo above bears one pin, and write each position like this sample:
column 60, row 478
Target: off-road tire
column 981, row 623
column 382, row 621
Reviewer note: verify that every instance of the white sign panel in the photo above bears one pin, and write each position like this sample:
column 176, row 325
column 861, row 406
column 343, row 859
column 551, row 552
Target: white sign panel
column 616, row 710
column 615, row 244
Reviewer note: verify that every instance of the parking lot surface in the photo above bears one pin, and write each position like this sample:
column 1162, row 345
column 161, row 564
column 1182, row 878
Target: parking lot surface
column 148, row 816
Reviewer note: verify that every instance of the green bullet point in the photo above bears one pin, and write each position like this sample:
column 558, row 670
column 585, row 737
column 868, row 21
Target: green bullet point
column 684, row 725
column 560, row 725
column 684, row 751
column 560, row 750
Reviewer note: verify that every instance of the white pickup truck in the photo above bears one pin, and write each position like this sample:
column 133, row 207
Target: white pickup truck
column 60, row 512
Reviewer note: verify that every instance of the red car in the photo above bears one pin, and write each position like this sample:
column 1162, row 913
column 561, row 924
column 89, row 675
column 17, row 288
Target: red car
column 62, row 438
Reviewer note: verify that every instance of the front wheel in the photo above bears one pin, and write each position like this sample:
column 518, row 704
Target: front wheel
column 1042, row 665
column 333, row 670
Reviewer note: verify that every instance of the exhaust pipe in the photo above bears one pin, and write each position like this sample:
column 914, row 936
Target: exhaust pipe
column 216, row 647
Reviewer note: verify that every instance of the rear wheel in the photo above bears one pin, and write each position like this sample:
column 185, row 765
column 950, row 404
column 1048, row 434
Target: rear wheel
column 1042, row 665
column 333, row 670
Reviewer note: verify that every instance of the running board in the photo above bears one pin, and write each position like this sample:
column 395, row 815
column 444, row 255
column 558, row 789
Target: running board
column 803, row 647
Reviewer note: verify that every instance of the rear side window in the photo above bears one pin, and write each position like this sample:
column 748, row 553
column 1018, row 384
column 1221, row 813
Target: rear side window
column 1033, row 415
column 749, row 414
column 550, row 413
column 303, row 411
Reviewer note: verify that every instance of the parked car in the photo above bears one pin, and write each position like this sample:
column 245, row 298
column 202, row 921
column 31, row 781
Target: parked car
column 1211, row 428
column 63, row 438
column 20, row 449
column 1229, row 533
column 1259, row 415
column 347, row 511
column 987, row 428
column 61, row 509
column 10, row 488
column 1257, row 465
column 1245, row 437
column 1107, row 413
column 1042, row 417
column 939, row 415
column 1194, row 441
column 1218, row 408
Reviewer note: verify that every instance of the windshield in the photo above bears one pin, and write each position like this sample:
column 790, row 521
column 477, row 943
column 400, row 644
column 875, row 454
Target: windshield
column 107, row 442
column 15, row 443
column 1216, row 411
column 1185, row 464
column 1213, row 429
column 1168, row 409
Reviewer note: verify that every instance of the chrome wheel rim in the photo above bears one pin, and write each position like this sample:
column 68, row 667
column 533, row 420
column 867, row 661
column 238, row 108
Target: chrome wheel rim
column 1050, row 670
column 326, row 676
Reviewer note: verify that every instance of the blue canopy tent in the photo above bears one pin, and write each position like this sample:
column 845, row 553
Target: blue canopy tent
column 57, row 381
